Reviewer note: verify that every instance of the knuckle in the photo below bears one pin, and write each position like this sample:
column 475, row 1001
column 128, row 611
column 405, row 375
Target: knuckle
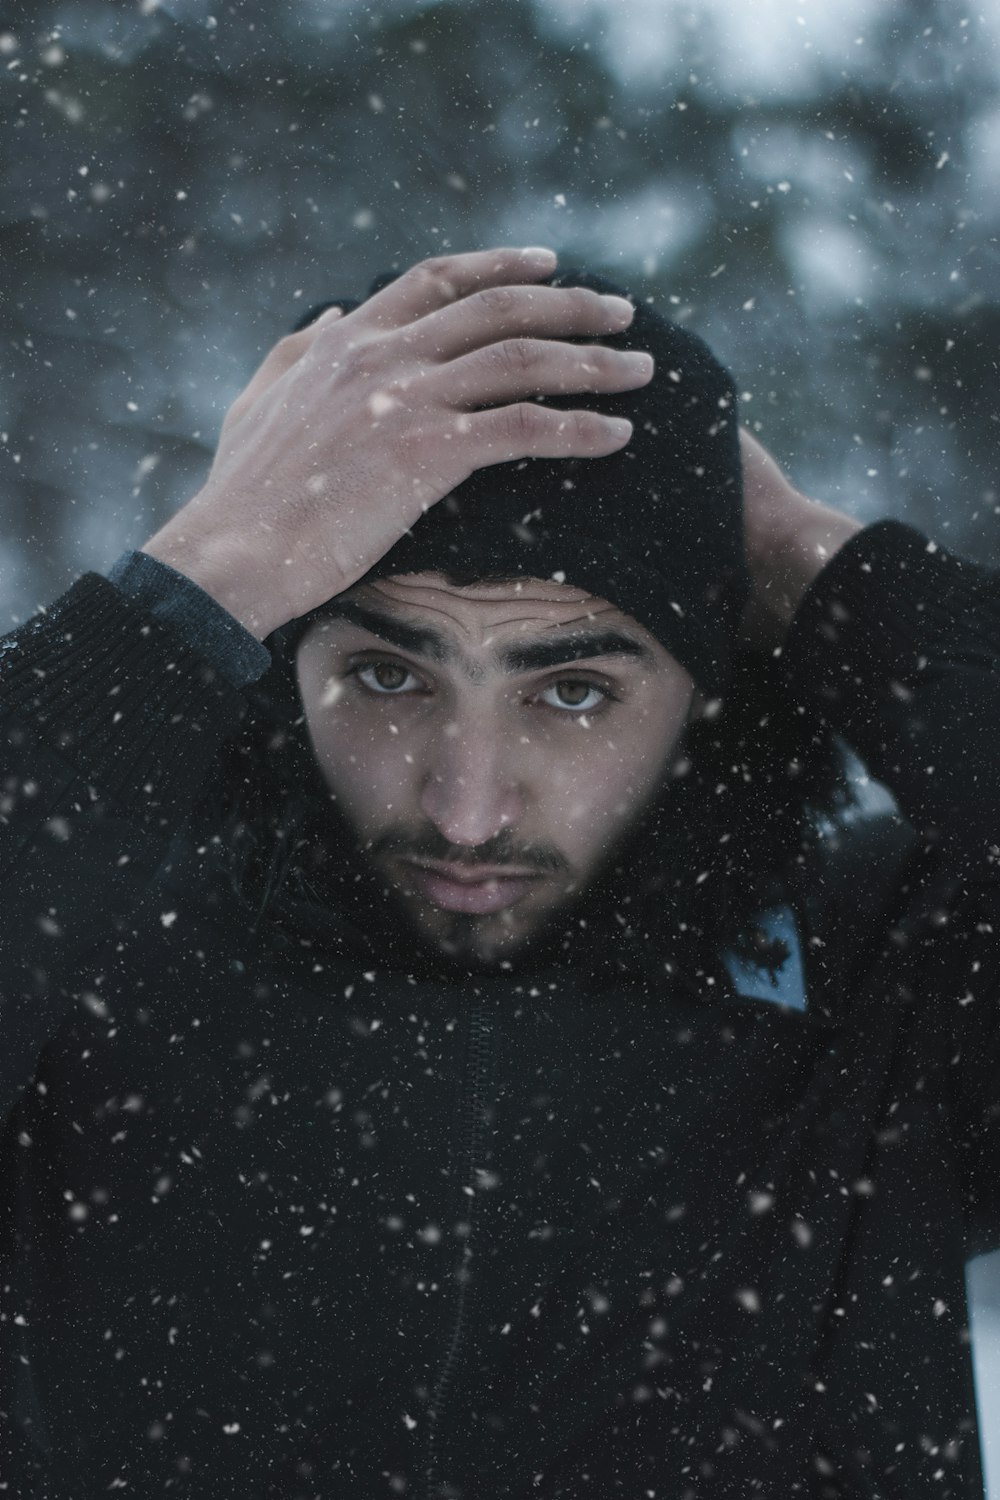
column 515, row 356
column 494, row 299
column 359, row 360
column 436, row 265
column 588, row 427
column 320, row 330
column 439, row 270
column 521, row 422
column 583, row 302
column 605, row 362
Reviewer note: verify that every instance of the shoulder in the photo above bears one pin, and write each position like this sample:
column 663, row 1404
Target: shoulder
column 817, row 935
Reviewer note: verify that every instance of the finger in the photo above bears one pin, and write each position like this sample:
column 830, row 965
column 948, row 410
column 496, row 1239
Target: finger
column 503, row 312
column 445, row 279
column 286, row 352
column 515, row 368
column 524, row 430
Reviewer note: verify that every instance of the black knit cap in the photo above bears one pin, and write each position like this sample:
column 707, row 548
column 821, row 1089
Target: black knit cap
column 656, row 528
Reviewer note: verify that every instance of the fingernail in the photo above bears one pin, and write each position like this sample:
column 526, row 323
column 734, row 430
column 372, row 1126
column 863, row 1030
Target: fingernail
column 620, row 308
column 619, row 427
column 640, row 362
column 540, row 252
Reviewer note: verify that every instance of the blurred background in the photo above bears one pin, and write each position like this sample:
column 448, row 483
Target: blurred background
column 810, row 185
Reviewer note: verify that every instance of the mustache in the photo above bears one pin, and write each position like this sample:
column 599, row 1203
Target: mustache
column 501, row 849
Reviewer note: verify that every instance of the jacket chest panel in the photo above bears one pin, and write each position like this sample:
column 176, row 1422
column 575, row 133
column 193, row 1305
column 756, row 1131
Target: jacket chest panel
column 293, row 1185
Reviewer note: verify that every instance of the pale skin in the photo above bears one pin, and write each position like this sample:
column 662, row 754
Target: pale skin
column 354, row 427
column 789, row 539
column 492, row 752
column 351, row 429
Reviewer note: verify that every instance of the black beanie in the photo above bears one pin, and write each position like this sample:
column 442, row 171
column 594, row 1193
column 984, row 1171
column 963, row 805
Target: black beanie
column 656, row 528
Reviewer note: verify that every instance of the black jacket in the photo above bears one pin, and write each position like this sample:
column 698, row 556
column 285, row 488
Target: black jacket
column 280, row 1221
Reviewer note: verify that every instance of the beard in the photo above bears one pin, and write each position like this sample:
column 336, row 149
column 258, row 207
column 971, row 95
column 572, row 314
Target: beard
column 339, row 892
column 474, row 941
column 629, row 900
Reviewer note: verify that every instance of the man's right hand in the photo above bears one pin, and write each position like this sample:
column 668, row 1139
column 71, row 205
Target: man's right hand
column 356, row 425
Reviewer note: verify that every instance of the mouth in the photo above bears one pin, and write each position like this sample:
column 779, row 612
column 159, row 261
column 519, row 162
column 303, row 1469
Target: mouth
column 476, row 890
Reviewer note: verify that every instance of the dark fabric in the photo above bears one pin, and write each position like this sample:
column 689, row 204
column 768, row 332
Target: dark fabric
column 178, row 601
column 281, row 1217
column 656, row 528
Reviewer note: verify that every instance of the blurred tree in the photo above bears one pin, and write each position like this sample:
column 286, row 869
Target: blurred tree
column 178, row 185
column 812, row 186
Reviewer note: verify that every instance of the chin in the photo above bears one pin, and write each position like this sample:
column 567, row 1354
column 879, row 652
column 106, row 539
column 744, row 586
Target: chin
column 515, row 939
column 470, row 941
column 528, row 933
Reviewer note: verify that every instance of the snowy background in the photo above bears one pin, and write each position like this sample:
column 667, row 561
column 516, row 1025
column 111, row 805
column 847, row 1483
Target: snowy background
column 812, row 185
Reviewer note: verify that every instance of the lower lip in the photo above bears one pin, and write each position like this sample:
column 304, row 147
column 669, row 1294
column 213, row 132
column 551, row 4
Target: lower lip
column 476, row 898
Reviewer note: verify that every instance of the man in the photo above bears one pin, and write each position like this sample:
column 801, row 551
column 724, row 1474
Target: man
column 388, row 1109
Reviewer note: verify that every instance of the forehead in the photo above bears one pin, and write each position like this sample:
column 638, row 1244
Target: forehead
column 478, row 630
column 479, row 612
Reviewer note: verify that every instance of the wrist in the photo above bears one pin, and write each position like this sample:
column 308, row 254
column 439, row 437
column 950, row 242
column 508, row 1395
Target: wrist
column 220, row 570
column 785, row 555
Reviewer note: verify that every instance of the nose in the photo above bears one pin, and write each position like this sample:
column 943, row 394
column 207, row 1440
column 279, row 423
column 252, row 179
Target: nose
column 470, row 788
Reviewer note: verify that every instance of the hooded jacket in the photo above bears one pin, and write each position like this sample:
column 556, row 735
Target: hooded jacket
column 283, row 1215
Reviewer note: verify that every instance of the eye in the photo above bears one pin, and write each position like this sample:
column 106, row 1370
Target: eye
column 574, row 695
column 387, row 678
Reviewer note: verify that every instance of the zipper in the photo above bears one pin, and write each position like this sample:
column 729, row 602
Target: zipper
column 470, row 1142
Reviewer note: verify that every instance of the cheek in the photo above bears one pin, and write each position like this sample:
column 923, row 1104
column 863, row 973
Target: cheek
column 603, row 774
column 371, row 775
column 599, row 780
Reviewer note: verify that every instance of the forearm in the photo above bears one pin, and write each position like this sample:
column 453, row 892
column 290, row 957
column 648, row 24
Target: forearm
column 109, row 726
column 789, row 540
column 785, row 566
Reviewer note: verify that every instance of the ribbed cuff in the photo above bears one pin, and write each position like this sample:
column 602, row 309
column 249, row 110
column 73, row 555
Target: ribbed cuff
column 876, row 615
column 192, row 614
column 119, row 696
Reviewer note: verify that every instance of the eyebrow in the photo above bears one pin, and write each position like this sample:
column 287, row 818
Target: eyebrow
column 416, row 638
column 526, row 656
column 531, row 656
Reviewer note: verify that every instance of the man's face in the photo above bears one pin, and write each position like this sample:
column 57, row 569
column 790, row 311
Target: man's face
column 490, row 746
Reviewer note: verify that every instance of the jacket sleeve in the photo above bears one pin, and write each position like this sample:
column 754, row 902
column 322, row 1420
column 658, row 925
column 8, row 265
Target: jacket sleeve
column 110, row 722
column 897, row 645
column 191, row 613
